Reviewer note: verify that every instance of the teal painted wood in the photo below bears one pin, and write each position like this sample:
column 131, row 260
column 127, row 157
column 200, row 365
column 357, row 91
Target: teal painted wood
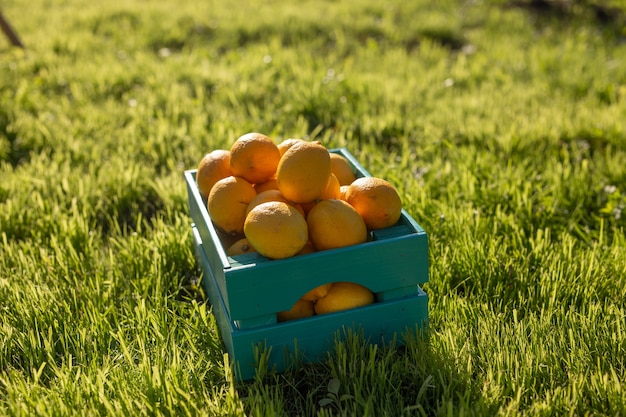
column 199, row 212
column 309, row 339
column 277, row 285
column 254, row 288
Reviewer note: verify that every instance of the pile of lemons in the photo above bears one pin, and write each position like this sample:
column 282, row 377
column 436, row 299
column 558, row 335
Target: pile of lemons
column 292, row 198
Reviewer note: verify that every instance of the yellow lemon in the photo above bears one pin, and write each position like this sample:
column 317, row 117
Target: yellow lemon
column 335, row 224
column 214, row 166
column 227, row 203
column 276, row 229
column 317, row 292
column 240, row 247
column 342, row 169
column 254, row 157
column 300, row 309
column 343, row 296
column 303, row 171
column 376, row 200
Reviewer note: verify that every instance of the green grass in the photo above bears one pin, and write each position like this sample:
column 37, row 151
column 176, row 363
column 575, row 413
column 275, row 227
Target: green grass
column 503, row 125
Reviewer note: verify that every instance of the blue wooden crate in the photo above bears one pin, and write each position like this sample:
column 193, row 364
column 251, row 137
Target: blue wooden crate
column 248, row 290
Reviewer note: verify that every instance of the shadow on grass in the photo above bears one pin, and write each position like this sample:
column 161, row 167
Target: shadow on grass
column 604, row 16
column 14, row 149
column 404, row 376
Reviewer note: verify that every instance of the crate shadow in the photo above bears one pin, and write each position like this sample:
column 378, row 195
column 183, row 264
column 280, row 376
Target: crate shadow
column 407, row 372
